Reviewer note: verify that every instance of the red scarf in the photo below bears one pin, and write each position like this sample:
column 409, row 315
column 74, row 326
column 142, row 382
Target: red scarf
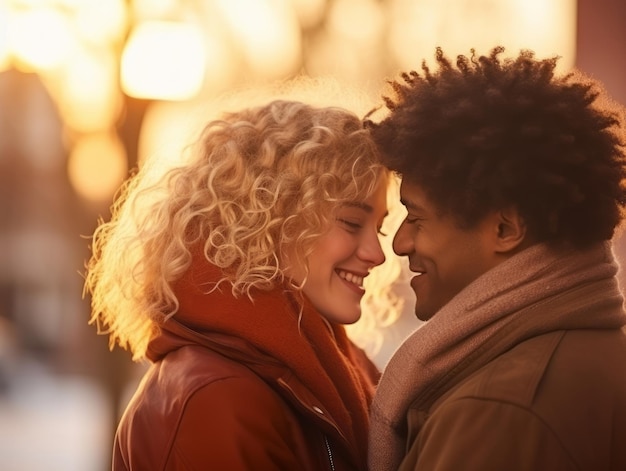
column 319, row 354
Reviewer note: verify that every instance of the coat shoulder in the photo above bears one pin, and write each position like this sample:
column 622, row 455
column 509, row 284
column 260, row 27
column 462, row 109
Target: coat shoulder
column 555, row 401
column 196, row 405
column 558, row 364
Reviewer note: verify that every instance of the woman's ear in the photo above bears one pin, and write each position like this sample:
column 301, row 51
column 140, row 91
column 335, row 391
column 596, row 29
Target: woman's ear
column 511, row 231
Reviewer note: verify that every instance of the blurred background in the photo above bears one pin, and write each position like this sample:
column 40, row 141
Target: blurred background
column 89, row 89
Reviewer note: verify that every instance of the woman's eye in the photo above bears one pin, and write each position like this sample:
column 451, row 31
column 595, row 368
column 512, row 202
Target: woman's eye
column 350, row 224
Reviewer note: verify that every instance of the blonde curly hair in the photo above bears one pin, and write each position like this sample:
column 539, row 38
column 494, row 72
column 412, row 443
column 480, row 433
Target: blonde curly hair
column 259, row 181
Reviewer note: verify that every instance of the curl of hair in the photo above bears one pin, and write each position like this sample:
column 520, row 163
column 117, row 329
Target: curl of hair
column 260, row 180
column 487, row 133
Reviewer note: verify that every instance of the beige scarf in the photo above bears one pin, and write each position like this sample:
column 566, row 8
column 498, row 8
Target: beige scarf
column 537, row 291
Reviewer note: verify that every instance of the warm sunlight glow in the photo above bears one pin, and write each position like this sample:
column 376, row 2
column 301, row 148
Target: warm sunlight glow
column 355, row 42
column 309, row 12
column 5, row 50
column 89, row 97
column 357, row 19
column 548, row 28
column 40, row 38
column 221, row 68
column 268, row 33
column 97, row 166
column 163, row 61
column 100, row 21
column 146, row 9
column 168, row 128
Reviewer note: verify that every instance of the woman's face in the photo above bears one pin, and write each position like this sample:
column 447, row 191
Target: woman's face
column 342, row 258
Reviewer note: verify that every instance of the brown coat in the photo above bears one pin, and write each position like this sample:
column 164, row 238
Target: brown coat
column 559, row 399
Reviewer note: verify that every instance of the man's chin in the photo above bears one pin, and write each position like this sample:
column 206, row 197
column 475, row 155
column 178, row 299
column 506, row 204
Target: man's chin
column 423, row 314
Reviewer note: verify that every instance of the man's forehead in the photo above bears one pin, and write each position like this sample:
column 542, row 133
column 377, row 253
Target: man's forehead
column 411, row 194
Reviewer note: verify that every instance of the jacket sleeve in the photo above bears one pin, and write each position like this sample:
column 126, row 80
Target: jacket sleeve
column 236, row 424
column 476, row 434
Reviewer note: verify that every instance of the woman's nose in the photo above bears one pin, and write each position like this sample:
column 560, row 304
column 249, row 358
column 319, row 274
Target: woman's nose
column 371, row 250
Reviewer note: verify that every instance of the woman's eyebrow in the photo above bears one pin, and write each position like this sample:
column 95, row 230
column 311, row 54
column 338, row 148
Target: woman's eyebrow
column 364, row 206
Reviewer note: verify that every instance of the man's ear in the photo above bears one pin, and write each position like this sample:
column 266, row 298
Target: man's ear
column 510, row 230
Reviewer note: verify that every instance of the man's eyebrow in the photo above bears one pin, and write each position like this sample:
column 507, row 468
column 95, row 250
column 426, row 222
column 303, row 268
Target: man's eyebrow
column 409, row 204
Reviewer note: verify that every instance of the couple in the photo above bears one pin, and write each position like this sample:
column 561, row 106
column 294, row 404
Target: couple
column 235, row 273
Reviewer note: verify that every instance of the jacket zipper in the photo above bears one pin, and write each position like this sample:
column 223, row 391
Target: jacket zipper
column 330, row 454
column 329, row 451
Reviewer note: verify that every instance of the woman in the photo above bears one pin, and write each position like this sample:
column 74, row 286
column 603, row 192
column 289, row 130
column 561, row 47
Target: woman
column 233, row 275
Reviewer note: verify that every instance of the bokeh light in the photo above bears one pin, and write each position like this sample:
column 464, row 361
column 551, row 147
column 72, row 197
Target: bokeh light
column 97, row 166
column 91, row 100
column 548, row 28
column 101, row 22
column 40, row 38
column 163, row 61
column 268, row 34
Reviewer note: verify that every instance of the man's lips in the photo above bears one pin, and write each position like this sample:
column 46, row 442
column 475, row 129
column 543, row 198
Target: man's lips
column 417, row 274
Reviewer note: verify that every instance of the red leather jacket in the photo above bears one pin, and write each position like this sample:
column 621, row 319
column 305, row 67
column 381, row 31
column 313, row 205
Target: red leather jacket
column 237, row 385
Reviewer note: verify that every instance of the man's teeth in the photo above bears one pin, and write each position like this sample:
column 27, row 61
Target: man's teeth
column 351, row 277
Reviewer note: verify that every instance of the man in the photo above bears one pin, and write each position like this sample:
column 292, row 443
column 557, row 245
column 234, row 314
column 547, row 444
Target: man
column 512, row 179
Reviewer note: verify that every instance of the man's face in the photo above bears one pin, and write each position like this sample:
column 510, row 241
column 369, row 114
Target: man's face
column 444, row 257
